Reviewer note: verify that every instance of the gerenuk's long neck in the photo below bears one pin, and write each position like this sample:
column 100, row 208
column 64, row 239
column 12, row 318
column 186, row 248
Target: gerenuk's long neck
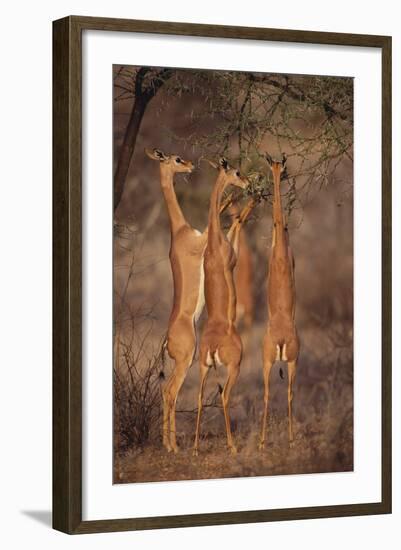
column 214, row 225
column 278, row 217
column 175, row 214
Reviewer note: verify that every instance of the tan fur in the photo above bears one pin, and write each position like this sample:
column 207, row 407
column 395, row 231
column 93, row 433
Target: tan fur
column 186, row 257
column 243, row 281
column 281, row 338
column 220, row 342
column 187, row 250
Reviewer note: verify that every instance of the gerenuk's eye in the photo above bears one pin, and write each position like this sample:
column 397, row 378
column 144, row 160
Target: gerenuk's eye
column 237, row 174
column 178, row 160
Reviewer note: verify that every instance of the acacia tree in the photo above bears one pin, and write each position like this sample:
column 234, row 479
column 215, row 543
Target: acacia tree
column 308, row 117
column 240, row 114
column 141, row 84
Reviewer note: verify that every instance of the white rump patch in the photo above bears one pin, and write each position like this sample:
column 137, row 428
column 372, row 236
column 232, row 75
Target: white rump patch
column 217, row 360
column 219, row 363
column 281, row 355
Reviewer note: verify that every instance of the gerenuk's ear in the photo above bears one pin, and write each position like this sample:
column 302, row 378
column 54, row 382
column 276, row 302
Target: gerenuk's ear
column 283, row 160
column 269, row 159
column 223, row 162
column 156, row 154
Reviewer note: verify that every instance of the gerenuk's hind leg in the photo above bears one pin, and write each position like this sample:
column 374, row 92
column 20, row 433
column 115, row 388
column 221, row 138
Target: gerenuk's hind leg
column 267, row 366
column 178, row 378
column 292, row 367
column 166, row 412
column 204, row 371
column 233, row 372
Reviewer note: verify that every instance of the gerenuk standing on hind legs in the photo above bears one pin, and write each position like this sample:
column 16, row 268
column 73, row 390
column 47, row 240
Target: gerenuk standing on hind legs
column 186, row 258
column 281, row 339
column 220, row 342
column 187, row 249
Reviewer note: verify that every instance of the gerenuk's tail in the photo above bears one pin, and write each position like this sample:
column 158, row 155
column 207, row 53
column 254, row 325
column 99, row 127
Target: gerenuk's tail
column 163, row 351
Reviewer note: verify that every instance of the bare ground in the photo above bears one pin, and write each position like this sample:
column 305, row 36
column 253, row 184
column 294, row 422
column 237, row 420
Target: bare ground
column 315, row 449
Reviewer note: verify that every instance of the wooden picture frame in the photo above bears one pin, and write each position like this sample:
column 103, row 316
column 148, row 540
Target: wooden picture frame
column 67, row 274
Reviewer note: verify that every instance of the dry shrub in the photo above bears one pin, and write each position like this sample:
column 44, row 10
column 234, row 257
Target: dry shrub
column 137, row 360
column 137, row 399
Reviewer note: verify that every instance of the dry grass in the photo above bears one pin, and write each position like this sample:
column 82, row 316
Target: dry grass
column 314, row 450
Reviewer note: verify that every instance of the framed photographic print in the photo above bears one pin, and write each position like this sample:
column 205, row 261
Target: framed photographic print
column 222, row 275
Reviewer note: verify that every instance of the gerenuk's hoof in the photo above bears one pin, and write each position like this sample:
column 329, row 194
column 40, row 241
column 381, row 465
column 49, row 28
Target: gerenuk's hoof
column 233, row 450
